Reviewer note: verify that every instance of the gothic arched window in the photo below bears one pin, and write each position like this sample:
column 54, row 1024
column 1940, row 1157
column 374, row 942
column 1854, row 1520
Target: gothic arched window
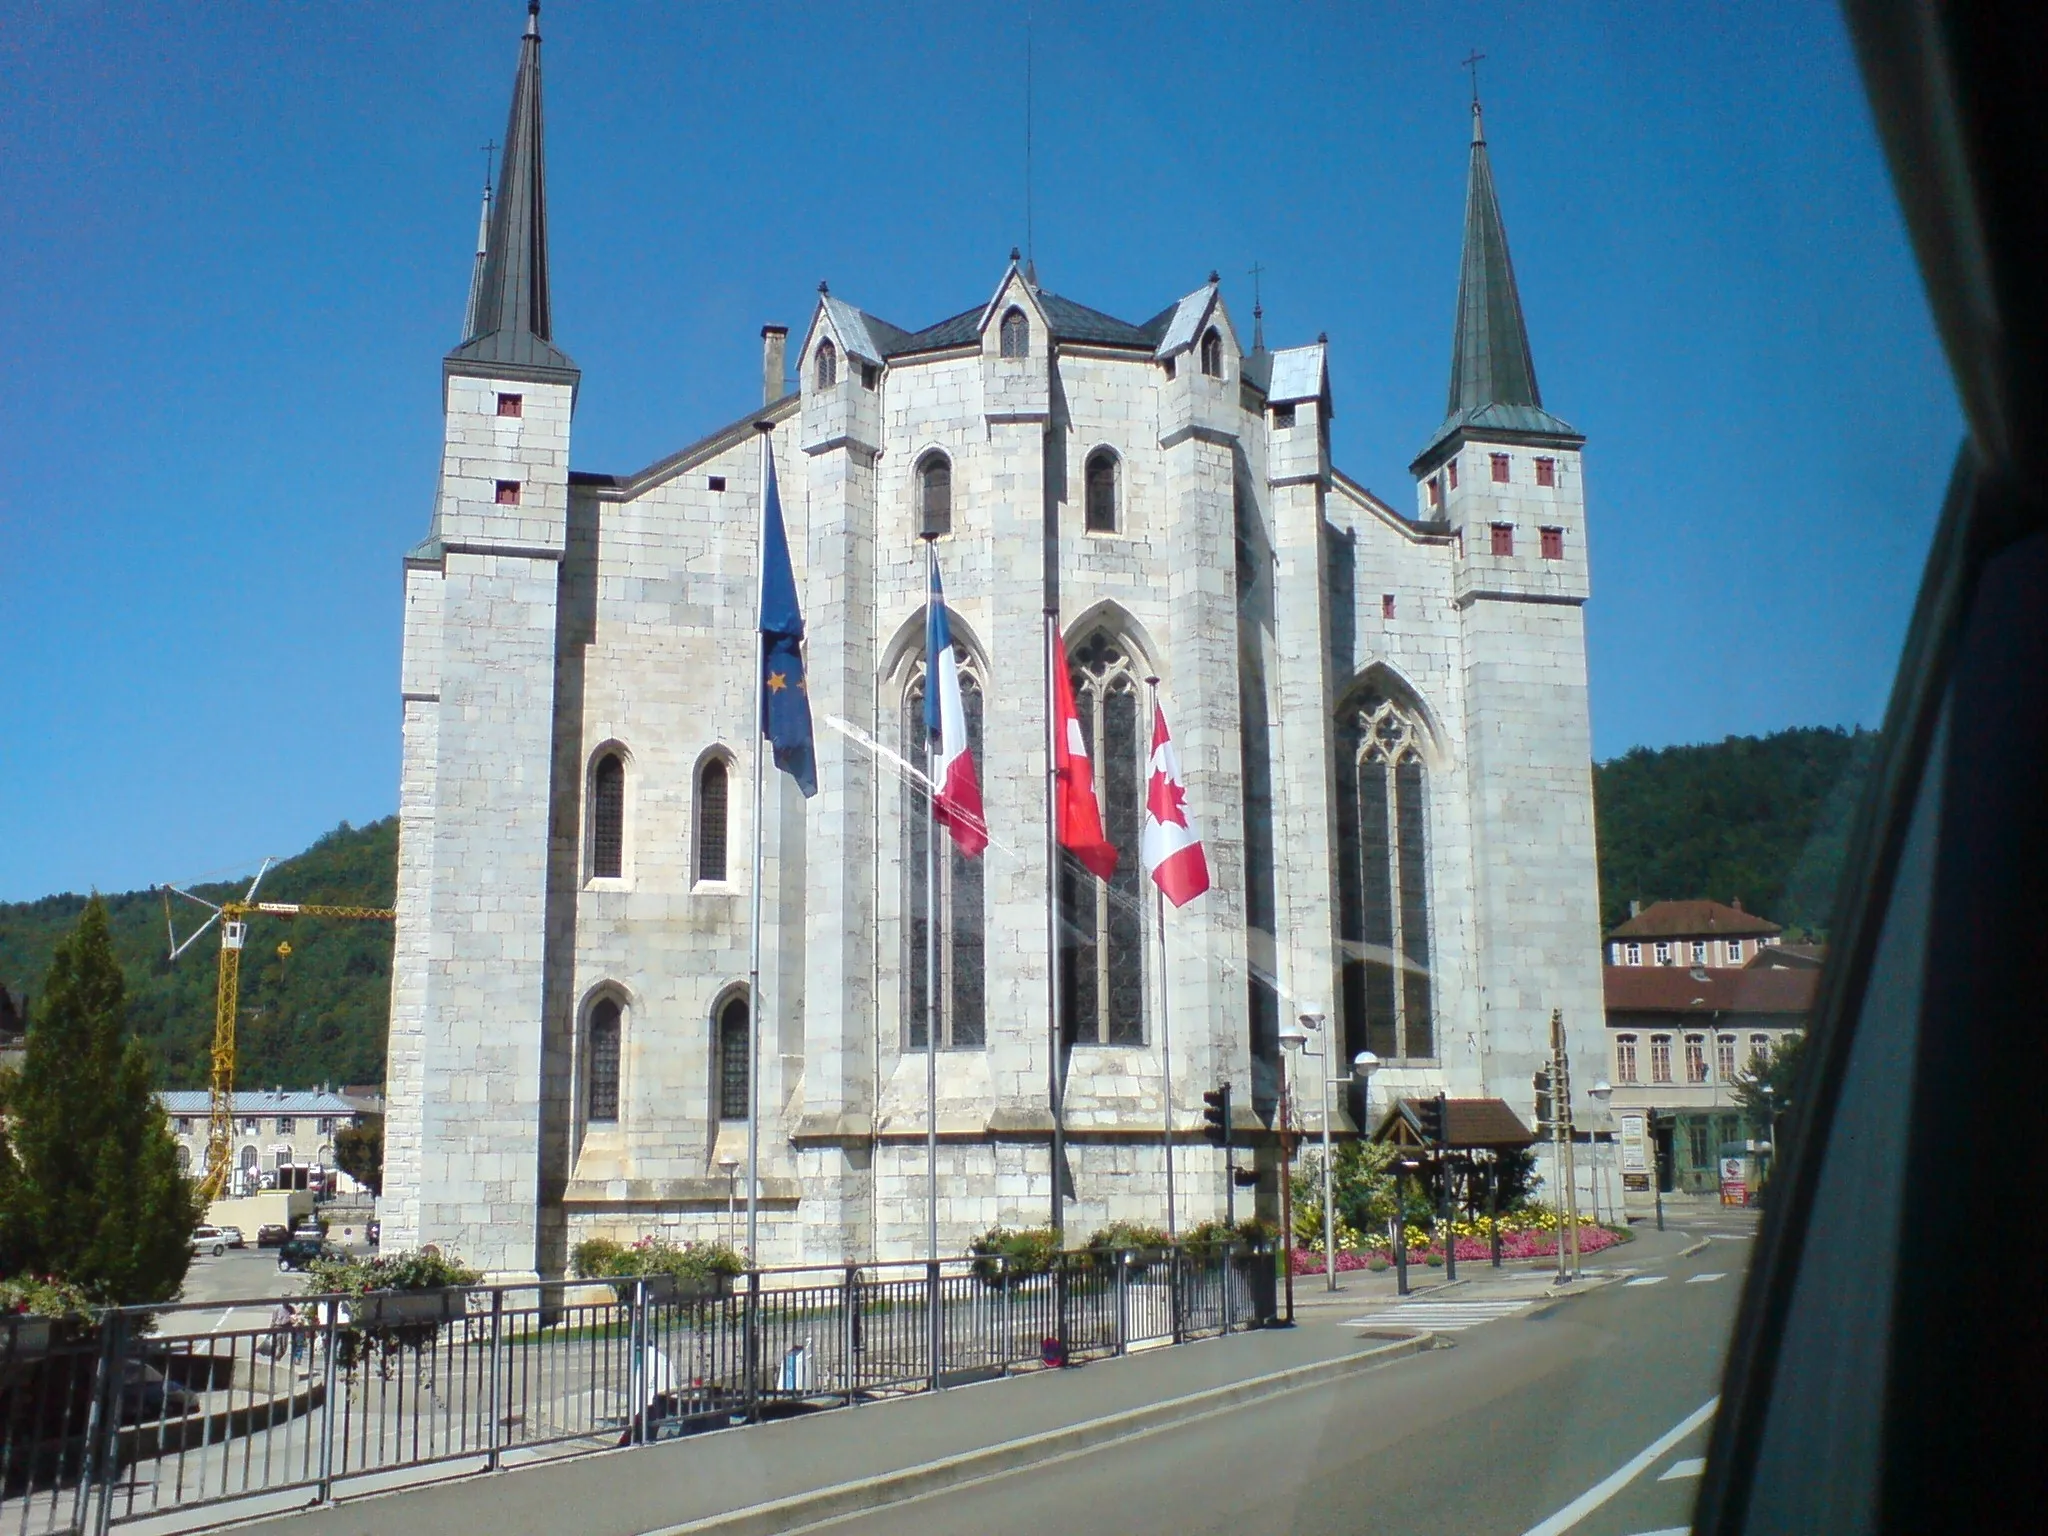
column 1101, row 491
column 731, row 1067
column 608, row 817
column 1016, row 334
column 963, row 997
column 601, row 1064
column 711, row 804
column 1212, row 353
column 1102, row 922
column 827, row 364
column 1383, row 881
column 935, row 493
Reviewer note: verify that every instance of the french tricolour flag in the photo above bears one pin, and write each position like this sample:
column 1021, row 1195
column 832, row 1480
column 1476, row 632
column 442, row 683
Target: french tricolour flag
column 956, row 792
column 1170, row 846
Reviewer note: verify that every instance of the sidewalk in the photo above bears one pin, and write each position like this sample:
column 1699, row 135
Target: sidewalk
column 677, row 1485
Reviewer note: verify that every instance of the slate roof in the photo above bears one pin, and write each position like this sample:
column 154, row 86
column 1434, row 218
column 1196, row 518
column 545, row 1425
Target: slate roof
column 292, row 1101
column 1493, row 375
column 513, row 326
column 1069, row 321
column 1790, row 957
column 1677, row 989
column 1694, row 920
column 1297, row 374
column 1469, row 1124
column 1182, row 319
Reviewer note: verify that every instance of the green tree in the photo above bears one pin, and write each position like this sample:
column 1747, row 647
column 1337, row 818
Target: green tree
column 1781, row 1073
column 90, row 1190
column 359, row 1153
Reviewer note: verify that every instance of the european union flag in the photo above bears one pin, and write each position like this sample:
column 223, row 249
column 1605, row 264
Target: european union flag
column 785, row 707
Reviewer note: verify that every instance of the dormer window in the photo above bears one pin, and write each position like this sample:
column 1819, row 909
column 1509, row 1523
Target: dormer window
column 1016, row 334
column 935, row 493
column 1212, row 353
column 827, row 365
column 1283, row 416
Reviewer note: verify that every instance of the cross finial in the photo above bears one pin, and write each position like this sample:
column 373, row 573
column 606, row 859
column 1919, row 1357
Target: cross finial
column 1255, row 272
column 1472, row 61
column 489, row 150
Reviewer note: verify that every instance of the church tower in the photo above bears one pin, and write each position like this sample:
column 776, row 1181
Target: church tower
column 466, row 1075
column 1503, row 477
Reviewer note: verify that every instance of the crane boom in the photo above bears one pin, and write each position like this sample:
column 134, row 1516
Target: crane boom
column 233, row 917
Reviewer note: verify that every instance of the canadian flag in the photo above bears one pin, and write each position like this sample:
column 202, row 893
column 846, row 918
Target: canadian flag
column 1171, row 847
column 956, row 791
column 1078, row 817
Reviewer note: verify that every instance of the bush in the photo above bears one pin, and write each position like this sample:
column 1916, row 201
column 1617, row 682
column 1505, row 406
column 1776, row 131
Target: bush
column 1121, row 1235
column 1433, row 1259
column 1253, row 1234
column 1378, row 1265
column 1003, row 1255
column 427, row 1270
column 42, row 1296
column 600, row 1258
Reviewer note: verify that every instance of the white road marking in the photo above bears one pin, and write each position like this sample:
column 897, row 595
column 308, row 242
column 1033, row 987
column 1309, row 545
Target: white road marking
column 1692, row 1466
column 1623, row 1475
column 1440, row 1316
column 1668, row 1530
column 1712, row 1274
column 1731, row 1237
column 1649, row 1280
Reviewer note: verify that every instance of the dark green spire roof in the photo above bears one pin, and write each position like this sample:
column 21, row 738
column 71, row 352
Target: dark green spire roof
column 513, row 328
column 1493, row 377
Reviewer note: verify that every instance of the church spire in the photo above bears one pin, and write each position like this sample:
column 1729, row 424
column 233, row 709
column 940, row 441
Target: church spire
column 510, row 323
column 1490, row 362
column 1493, row 377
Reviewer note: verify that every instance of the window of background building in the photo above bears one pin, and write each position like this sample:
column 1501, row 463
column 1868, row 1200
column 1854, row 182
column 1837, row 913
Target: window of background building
column 826, row 367
column 1735, row 951
column 1016, row 336
column 1699, row 1143
column 1724, row 1058
column 1500, row 469
column 1383, row 914
column 1100, row 491
column 1212, row 353
column 1635, row 954
column 608, row 817
column 1695, row 1058
column 963, row 997
column 1663, row 952
column 1503, row 538
column 712, row 793
column 935, row 493
column 732, row 1060
column 601, row 1098
column 511, row 405
column 1625, row 1058
column 1452, row 469
column 508, row 493
column 1699, row 952
column 1660, row 1058
column 1102, row 922
column 1760, row 1049
column 1283, row 416
column 1553, row 543
column 1546, row 472
column 286, row 1125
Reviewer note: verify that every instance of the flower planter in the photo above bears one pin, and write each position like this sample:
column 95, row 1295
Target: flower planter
column 666, row 1290
column 399, row 1309
column 24, row 1338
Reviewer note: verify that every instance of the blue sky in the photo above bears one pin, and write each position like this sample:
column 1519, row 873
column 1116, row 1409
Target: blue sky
column 238, row 240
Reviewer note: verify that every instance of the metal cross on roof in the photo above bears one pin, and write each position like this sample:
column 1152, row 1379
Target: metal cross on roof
column 488, row 151
column 1472, row 62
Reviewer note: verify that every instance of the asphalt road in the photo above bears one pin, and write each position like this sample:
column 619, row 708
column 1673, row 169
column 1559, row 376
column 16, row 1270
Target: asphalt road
column 1527, row 1425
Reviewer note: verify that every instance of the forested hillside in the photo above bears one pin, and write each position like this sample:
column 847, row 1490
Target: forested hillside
column 317, row 1015
column 1760, row 818
column 1764, row 819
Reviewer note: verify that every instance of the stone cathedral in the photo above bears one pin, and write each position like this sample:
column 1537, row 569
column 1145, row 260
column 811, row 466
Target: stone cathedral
column 1382, row 712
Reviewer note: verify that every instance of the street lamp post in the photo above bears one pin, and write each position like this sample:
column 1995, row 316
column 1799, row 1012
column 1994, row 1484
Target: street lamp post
column 1600, row 1093
column 730, row 1167
column 1770, row 1131
column 1296, row 1040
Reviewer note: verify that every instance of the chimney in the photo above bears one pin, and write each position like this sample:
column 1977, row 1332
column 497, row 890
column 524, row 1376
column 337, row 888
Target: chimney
column 1737, row 903
column 1635, row 909
column 774, row 342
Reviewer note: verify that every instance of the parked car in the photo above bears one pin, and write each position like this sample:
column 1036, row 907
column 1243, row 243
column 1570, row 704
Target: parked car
column 232, row 1236
column 209, row 1239
column 272, row 1235
column 297, row 1252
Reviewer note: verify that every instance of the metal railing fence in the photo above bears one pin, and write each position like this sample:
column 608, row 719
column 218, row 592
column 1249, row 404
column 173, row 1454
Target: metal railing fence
column 174, row 1409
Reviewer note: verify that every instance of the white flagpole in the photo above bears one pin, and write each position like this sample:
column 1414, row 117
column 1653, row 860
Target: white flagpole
column 1165, row 1023
column 754, row 939
column 931, row 969
column 1055, row 1088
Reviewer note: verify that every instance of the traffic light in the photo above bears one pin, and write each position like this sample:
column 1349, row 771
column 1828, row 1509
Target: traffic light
column 1543, row 1114
column 1216, row 1116
column 1429, row 1117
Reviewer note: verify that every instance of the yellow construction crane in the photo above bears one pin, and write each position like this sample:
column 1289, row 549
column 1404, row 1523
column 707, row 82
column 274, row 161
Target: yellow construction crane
column 233, row 917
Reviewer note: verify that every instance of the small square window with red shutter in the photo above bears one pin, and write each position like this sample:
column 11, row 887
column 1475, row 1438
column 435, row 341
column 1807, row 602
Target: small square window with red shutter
column 511, row 405
column 1553, row 543
column 1546, row 471
column 1500, row 469
column 508, row 493
column 1386, row 605
column 1503, row 538
column 1453, row 468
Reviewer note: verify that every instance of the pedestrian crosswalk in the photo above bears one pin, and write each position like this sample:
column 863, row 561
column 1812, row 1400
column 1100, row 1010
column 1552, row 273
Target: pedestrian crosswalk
column 1441, row 1316
column 1707, row 1276
column 1649, row 1280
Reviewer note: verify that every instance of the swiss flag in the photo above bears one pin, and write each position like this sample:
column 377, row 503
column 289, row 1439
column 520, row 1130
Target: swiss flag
column 1171, row 847
column 1079, row 818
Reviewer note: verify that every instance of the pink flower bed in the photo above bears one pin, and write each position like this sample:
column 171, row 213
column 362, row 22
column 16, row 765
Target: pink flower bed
column 1513, row 1245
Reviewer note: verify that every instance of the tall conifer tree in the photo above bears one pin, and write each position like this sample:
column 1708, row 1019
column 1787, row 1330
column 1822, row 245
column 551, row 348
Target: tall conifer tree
column 89, row 1184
